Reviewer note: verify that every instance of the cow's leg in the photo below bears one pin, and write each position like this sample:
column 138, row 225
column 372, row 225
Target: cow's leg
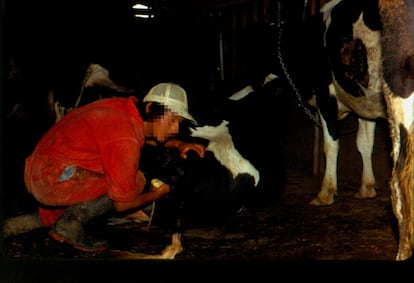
column 329, row 182
column 365, row 145
column 398, row 60
column 402, row 202
column 402, row 176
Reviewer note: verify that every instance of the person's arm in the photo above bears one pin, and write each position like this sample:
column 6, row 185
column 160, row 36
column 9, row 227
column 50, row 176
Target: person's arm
column 143, row 199
column 157, row 192
column 184, row 147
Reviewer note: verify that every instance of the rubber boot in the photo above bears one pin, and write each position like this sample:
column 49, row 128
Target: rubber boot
column 69, row 227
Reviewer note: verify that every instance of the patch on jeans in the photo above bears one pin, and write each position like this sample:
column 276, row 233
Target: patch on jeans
column 67, row 173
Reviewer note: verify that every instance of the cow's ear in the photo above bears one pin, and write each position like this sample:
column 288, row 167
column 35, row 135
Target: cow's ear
column 147, row 107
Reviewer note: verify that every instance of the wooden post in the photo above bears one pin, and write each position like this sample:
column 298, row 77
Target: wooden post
column 317, row 151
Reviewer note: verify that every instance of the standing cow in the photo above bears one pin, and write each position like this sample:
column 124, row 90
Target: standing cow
column 369, row 51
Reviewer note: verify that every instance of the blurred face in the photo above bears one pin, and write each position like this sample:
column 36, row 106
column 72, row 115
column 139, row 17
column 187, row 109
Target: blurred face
column 166, row 126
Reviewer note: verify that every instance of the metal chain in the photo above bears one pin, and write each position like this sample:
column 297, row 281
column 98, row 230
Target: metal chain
column 301, row 104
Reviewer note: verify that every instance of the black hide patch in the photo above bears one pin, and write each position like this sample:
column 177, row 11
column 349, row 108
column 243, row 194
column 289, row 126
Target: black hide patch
column 402, row 157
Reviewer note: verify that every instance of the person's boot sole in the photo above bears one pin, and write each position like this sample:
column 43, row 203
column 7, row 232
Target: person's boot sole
column 62, row 239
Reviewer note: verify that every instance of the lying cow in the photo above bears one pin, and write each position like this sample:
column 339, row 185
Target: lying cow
column 243, row 168
column 370, row 53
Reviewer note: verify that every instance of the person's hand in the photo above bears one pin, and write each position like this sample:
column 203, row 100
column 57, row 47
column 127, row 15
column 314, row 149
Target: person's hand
column 157, row 190
column 184, row 147
column 159, row 187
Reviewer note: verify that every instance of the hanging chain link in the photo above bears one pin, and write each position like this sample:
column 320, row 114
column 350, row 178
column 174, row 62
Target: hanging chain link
column 301, row 104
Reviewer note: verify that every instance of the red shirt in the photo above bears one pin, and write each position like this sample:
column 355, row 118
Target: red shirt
column 106, row 137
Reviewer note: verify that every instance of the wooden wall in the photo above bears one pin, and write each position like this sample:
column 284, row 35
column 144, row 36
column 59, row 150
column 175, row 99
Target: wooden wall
column 233, row 18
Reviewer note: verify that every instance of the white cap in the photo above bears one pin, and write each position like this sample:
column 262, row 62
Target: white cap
column 172, row 96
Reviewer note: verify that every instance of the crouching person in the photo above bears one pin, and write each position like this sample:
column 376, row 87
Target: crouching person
column 87, row 164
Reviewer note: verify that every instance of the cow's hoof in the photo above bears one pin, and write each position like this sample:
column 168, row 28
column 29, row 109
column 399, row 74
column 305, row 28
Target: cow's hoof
column 322, row 201
column 404, row 255
column 366, row 194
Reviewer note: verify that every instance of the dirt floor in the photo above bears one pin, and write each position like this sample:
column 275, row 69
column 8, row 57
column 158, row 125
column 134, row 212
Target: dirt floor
column 351, row 230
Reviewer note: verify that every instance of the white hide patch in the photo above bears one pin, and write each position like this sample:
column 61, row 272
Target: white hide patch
column 249, row 89
column 402, row 113
column 241, row 93
column 408, row 111
column 222, row 146
column 270, row 77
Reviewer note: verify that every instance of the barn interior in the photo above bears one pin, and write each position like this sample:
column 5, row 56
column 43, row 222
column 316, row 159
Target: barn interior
column 212, row 48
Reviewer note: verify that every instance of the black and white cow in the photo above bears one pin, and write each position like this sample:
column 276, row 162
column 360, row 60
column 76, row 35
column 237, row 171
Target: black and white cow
column 369, row 49
column 243, row 166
